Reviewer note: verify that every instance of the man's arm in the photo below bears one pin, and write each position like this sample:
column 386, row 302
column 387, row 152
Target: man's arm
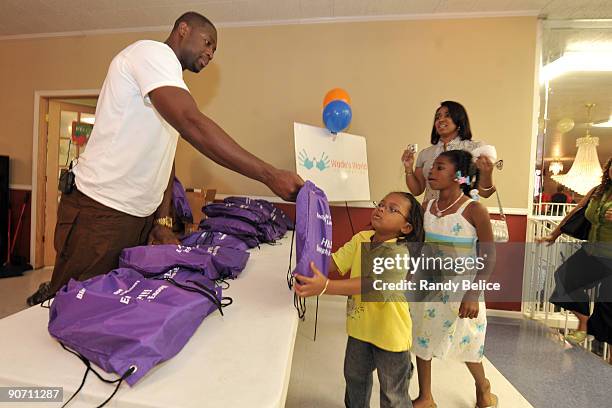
column 179, row 109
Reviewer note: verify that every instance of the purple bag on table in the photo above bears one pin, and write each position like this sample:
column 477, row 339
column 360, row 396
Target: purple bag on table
column 214, row 238
column 266, row 207
column 183, row 277
column 280, row 217
column 240, row 211
column 123, row 322
column 180, row 203
column 241, row 229
column 214, row 262
column 313, row 230
column 253, row 204
column 270, row 231
column 276, row 217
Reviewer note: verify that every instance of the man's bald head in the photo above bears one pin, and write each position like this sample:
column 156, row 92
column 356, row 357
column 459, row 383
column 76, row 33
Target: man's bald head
column 193, row 19
column 194, row 41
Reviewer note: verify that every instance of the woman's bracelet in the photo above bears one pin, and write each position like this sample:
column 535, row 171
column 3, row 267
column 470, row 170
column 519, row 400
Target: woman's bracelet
column 409, row 173
column 487, row 188
column 325, row 288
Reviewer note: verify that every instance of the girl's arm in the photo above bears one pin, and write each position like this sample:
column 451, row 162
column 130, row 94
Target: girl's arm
column 319, row 283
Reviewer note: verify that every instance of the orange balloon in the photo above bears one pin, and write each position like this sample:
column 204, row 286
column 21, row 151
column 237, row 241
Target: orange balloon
column 336, row 94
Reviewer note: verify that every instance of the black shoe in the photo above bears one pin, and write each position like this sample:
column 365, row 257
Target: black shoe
column 40, row 295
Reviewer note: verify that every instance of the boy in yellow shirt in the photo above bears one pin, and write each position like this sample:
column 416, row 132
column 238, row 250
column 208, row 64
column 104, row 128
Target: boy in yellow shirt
column 380, row 332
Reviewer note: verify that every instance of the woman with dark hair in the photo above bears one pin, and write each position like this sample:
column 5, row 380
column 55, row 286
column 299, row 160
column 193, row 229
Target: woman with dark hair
column 451, row 131
column 590, row 266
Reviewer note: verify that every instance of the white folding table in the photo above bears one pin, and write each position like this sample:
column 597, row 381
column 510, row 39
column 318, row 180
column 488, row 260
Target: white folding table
column 241, row 359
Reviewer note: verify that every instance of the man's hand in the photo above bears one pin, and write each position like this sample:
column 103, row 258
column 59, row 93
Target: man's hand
column 161, row 235
column 285, row 184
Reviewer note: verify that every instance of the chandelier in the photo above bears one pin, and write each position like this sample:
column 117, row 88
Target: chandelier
column 555, row 167
column 586, row 171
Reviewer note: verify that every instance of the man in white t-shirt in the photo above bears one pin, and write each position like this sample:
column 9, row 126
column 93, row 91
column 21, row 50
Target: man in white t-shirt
column 123, row 179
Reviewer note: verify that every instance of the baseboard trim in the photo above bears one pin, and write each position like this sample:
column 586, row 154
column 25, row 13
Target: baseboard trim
column 512, row 314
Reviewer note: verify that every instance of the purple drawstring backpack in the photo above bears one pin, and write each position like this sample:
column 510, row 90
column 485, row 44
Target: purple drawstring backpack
column 240, row 211
column 214, row 262
column 213, row 238
column 271, row 222
column 279, row 217
column 270, row 231
column 266, row 207
column 180, row 203
column 126, row 323
column 251, row 203
column 241, row 229
column 314, row 236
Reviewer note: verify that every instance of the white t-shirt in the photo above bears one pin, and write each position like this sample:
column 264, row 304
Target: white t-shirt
column 128, row 159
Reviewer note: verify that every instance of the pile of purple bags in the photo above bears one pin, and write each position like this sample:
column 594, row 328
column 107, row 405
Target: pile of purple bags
column 240, row 221
column 144, row 312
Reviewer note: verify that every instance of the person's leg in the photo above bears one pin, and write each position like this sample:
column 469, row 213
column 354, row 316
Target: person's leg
column 577, row 274
column 67, row 214
column 425, row 399
column 89, row 238
column 574, row 277
column 582, row 321
column 393, row 370
column 484, row 398
column 358, row 368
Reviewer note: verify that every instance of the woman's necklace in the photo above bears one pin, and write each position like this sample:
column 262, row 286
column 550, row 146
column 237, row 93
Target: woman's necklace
column 439, row 212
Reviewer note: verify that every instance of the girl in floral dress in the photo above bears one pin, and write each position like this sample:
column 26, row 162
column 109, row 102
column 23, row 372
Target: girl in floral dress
column 444, row 327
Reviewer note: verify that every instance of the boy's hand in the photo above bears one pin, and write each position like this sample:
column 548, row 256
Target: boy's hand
column 306, row 287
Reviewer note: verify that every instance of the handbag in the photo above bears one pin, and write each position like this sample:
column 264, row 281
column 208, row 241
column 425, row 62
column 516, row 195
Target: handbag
column 577, row 225
column 500, row 227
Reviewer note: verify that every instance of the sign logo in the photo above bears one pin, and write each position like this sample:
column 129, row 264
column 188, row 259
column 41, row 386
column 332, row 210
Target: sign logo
column 305, row 161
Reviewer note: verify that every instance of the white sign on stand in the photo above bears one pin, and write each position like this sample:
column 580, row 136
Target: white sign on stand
column 338, row 164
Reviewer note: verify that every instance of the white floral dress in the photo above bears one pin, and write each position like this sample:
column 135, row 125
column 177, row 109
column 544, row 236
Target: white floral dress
column 437, row 329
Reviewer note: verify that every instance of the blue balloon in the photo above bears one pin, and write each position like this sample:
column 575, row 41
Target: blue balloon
column 337, row 116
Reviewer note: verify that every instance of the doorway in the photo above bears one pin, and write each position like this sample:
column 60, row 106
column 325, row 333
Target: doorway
column 64, row 124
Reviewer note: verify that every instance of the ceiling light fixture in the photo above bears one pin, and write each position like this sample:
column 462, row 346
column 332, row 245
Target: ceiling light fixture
column 555, row 167
column 585, row 172
column 577, row 61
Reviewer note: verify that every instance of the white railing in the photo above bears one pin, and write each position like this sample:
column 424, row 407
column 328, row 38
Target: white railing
column 552, row 209
column 541, row 262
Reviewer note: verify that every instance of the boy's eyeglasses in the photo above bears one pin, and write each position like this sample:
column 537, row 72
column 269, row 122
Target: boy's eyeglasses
column 392, row 210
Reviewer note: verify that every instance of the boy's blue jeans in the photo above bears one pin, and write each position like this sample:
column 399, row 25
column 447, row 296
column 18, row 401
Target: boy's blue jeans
column 393, row 370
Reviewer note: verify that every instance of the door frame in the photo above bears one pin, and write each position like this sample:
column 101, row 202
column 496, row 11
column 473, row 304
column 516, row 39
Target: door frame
column 39, row 165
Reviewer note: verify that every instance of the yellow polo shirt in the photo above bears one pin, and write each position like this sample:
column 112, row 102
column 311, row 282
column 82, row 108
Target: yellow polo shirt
column 387, row 325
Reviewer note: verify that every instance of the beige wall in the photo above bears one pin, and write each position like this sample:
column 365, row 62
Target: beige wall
column 265, row 78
